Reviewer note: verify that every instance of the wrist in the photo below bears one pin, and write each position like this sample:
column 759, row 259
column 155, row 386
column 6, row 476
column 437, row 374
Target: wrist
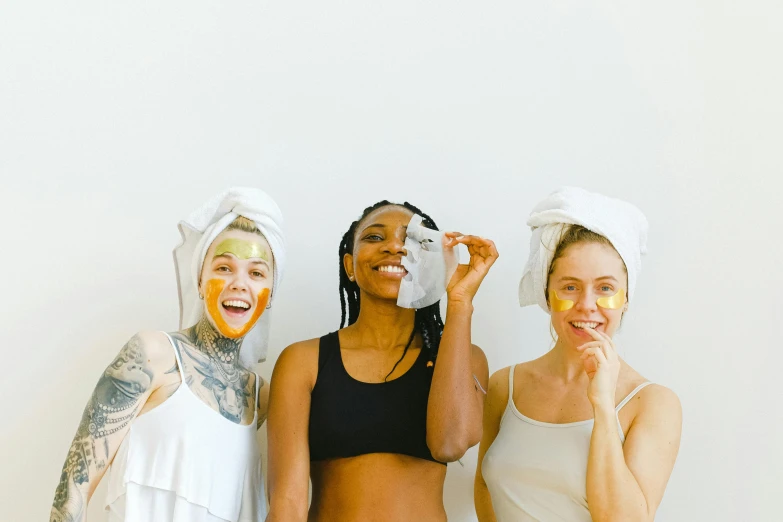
column 461, row 306
column 603, row 407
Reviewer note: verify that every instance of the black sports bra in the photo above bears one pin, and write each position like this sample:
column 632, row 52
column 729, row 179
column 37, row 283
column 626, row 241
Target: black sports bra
column 350, row 418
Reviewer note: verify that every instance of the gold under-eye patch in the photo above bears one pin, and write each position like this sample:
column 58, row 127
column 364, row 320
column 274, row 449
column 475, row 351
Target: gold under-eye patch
column 242, row 249
column 614, row 302
column 559, row 305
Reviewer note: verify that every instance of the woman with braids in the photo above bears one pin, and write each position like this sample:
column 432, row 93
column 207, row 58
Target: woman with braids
column 374, row 411
column 174, row 417
column 578, row 434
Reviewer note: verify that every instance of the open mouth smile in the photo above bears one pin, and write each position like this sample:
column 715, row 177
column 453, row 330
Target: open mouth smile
column 235, row 307
column 391, row 270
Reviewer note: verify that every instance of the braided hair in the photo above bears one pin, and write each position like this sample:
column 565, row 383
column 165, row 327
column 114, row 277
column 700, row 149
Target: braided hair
column 427, row 322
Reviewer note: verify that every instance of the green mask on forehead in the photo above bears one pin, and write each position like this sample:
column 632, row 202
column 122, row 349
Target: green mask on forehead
column 242, row 249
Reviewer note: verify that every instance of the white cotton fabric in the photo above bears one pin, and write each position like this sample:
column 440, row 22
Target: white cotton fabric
column 430, row 266
column 200, row 229
column 620, row 222
column 184, row 462
column 537, row 471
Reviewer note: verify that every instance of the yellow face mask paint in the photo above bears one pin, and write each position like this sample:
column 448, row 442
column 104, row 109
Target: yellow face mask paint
column 559, row 305
column 242, row 249
column 614, row 302
column 212, row 297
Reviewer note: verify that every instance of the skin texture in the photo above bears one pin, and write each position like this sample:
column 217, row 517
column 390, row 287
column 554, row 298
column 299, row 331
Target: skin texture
column 582, row 377
column 144, row 375
column 381, row 486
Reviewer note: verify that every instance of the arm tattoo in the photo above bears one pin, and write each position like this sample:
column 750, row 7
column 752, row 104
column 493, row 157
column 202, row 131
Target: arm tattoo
column 112, row 406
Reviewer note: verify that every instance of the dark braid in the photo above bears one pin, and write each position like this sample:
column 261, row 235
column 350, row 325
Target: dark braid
column 427, row 322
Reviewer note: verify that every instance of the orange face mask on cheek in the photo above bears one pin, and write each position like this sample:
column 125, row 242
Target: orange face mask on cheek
column 212, row 297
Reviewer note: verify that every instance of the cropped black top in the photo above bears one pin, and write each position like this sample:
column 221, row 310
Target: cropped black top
column 350, row 418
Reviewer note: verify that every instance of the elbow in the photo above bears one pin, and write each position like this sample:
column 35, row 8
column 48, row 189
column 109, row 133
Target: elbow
column 448, row 449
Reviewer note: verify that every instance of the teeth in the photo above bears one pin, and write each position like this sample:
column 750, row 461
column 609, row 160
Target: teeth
column 236, row 304
column 585, row 325
column 391, row 268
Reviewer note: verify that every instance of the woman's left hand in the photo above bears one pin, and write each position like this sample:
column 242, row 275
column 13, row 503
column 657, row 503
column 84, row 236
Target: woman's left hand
column 466, row 280
column 602, row 366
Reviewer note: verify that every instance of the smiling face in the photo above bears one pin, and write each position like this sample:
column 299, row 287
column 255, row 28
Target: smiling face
column 379, row 245
column 236, row 281
column 587, row 288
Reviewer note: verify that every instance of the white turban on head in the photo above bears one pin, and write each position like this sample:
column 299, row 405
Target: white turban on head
column 621, row 223
column 200, row 229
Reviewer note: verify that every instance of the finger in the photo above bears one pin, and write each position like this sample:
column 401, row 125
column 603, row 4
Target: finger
column 605, row 336
column 592, row 351
column 595, row 334
column 591, row 344
column 597, row 354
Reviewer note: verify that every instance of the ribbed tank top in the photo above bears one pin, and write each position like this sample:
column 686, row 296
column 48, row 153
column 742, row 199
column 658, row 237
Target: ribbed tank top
column 184, row 462
column 537, row 471
column 350, row 417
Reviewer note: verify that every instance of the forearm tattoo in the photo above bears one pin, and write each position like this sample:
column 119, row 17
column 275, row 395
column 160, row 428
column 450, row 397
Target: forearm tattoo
column 215, row 358
column 112, row 406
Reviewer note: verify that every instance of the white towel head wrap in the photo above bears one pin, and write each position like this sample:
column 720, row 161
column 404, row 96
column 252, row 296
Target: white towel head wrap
column 621, row 223
column 200, row 229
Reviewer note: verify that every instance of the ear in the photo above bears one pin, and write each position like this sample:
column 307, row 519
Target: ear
column 348, row 265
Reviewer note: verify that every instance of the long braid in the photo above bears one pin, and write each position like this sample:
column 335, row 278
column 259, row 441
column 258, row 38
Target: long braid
column 427, row 321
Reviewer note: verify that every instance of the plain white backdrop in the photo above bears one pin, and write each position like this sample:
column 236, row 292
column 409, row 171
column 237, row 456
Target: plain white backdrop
column 119, row 118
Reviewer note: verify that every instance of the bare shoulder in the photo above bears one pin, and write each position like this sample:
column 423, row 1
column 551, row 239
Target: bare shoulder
column 498, row 384
column 148, row 350
column 659, row 400
column 298, row 361
column 478, row 359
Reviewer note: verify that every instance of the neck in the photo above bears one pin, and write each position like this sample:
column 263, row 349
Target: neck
column 566, row 362
column 382, row 323
column 211, row 342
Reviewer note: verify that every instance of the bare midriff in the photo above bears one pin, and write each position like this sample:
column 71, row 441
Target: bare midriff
column 377, row 486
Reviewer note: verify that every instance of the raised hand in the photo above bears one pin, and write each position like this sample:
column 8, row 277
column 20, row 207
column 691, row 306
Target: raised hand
column 468, row 277
column 602, row 366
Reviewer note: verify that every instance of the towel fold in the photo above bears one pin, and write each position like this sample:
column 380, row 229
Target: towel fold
column 620, row 222
column 201, row 228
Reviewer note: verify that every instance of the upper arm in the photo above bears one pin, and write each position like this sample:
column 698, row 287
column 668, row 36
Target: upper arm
column 262, row 406
column 480, row 370
column 121, row 391
column 289, row 421
column 653, row 441
column 494, row 406
column 493, row 413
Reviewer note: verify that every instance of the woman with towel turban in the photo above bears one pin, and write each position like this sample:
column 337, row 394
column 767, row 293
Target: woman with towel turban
column 577, row 434
column 175, row 415
column 373, row 411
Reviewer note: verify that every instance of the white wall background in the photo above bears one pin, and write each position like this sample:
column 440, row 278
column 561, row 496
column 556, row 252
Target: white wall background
column 118, row 118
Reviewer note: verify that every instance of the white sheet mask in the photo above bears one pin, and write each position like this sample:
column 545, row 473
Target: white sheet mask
column 429, row 264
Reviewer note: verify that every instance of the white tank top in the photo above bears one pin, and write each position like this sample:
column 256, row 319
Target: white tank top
column 537, row 471
column 184, row 462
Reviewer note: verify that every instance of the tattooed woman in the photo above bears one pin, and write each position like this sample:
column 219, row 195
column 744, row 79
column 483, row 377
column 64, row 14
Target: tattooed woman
column 175, row 415
column 373, row 411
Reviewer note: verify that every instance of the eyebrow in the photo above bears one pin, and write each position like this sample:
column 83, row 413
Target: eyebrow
column 379, row 225
column 568, row 278
column 258, row 261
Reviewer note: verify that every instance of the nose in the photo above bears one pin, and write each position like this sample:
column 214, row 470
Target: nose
column 586, row 301
column 395, row 245
column 238, row 283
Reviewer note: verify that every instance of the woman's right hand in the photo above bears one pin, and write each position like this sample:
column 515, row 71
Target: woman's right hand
column 468, row 277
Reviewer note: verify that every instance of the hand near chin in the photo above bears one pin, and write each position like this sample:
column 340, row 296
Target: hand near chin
column 602, row 365
column 468, row 277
